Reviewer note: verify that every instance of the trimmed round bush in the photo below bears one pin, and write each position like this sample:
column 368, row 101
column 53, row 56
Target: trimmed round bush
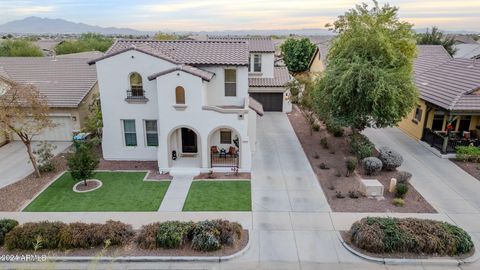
column 351, row 164
column 6, row 225
column 230, row 232
column 401, row 190
column 39, row 235
column 391, row 235
column 173, row 234
column 206, row 236
column 390, row 158
column 371, row 165
column 403, row 177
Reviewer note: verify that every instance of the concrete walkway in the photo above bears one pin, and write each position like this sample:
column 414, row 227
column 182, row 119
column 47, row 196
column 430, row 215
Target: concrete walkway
column 178, row 190
column 14, row 161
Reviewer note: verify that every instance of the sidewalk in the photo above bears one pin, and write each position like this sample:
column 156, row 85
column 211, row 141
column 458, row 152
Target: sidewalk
column 177, row 191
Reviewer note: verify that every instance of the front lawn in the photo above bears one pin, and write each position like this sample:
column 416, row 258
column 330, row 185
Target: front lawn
column 121, row 191
column 219, row 196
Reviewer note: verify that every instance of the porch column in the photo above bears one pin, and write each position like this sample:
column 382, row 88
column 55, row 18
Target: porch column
column 245, row 155
column 205, row 150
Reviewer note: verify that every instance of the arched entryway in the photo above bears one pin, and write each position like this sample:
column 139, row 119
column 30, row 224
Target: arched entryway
column 184, row 147
column 224, row 144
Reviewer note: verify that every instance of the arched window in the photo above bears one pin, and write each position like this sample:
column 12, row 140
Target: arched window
column 136, row 85
column 180, row 95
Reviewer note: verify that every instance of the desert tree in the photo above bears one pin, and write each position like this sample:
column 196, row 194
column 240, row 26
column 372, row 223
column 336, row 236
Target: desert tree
column 24, row 112
column 83, row 163
column 436, row 37
column 297, row 53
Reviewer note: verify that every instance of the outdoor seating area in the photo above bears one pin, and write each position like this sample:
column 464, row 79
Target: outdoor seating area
column 221, row 157
column 447, row 142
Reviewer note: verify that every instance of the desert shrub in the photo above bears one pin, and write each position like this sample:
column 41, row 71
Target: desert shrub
column 206, row 236
column 468, row 153
column 316, row 155
column 361, row 146
column 353, row 194
column 404, row 177
column 80, row 235
column 401, row 190
column 117, row 232
column 389, row 235
column 229, row 231
column 34, row 235
column 44, row 155
column 147, row 237
column 398, row 202
column 316, row 127
column 351, row 164
column 372, row 165
column 173, row 234
column 339, row 195
column 323, row 166
column 6, row 225
column 324, row 143
column 390, row 158
column 334, row 128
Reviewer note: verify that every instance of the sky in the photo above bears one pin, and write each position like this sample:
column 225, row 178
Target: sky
column 217, row 15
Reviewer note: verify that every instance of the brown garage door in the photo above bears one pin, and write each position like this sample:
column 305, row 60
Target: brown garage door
column 272, row 102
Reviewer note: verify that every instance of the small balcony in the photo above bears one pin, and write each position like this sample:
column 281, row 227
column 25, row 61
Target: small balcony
column 136, row 96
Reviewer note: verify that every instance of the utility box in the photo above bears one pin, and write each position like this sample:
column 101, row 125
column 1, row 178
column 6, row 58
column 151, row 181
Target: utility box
column 371, row 188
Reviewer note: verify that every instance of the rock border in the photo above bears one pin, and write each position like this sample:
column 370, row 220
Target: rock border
column 398, row 261
column 153, row 258
column 85, row 191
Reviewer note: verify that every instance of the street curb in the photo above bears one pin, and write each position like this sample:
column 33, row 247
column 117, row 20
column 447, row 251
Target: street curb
column 152, row 258
column 392, row 261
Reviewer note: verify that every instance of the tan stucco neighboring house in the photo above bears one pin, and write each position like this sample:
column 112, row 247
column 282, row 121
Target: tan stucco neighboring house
column 67, row 82
column 448, row 110
column 319, row 59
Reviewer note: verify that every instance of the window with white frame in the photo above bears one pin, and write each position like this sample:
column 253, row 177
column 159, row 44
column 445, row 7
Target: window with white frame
column 230, row 82
column 257, row 63
column 151, row 132
column 130, row 132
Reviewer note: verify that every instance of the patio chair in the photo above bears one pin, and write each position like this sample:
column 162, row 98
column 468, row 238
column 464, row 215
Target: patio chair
column 214, row 150
column 232, row 151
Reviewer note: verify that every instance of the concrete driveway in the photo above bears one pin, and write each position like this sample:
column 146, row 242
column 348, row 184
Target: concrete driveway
column 14, row 161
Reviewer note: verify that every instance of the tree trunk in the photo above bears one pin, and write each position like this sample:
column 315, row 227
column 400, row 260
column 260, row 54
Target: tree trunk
column 28, row 144
column 85, row 182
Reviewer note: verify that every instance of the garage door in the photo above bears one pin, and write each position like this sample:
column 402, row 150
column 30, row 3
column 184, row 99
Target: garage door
column 272, row 102
column 61, row 132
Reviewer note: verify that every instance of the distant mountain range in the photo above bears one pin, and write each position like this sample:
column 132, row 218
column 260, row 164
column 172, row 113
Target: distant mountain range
column 37, row 25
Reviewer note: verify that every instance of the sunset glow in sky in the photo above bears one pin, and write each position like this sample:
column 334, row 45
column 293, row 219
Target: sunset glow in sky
column 208, row 15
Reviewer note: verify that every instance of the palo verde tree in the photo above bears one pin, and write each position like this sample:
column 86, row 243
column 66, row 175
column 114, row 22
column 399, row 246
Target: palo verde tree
column 23, row 111
column 436, row 37
column 368, row 80
column 85, row 43
column 19, row 48
column 297, row 53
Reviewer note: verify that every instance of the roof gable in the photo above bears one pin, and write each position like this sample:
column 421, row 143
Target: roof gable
column 203, row 74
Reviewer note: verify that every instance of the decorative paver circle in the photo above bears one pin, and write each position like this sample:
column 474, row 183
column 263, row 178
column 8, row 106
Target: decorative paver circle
column 98, row 182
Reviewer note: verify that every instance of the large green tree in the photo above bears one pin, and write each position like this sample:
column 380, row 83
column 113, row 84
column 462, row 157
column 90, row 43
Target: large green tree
column 436, row 37
column 18, row 48
column 368, row 80
column 86, row 42
column 297, row 53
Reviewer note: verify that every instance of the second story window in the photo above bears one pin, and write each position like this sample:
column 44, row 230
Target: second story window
column 230, row 82
column 136, row 86
column 180, row 95
column 257, row 63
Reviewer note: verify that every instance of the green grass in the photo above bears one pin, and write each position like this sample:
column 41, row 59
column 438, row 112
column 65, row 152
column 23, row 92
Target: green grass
column 121, row 191
column 219, row 196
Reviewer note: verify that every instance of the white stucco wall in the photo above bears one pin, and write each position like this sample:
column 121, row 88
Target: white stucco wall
column 268, row 62
column 215, row 89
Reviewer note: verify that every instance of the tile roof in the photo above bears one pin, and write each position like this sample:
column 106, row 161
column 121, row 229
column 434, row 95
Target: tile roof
column 428, row 57
column 469, row 51
column 188, row 52
column 452, row 85
column 280, row 78
column 64, row 81
column 255, row 44
column 256, row 106
column 204, row 74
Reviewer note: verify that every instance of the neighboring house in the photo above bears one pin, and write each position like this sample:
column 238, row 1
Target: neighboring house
column 463, row 39
column 319, row 59
column 266, row 81
column 180, row 103
column 449, row 100
column 468, row 51
column 48, row 46
column 67, row 82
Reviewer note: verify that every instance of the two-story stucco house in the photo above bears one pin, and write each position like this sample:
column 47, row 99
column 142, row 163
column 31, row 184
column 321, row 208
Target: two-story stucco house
column 181, row 103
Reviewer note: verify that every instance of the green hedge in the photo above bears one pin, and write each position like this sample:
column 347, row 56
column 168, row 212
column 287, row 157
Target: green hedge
column 6, row 225
column 361, row 146
column 468, row 153
column 392, row 235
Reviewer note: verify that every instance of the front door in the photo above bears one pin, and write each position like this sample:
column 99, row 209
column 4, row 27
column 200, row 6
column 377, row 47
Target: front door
column 189, row 141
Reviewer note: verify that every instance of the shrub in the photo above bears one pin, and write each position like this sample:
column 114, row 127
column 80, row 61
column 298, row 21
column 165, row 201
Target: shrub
column 323, row 166
column 372, row 165
column 361, row 146
column 398, row 202
column 390, row 158
column 316, row 155
column 351, row 164
column 401, row 190
column 324, row 143
column 333, row 128
column 80, row 235
column 390, row 235
column 25, row 236
column 117, row 232
column 316, row 127
column 206, row 236
column 339, row 195
column 403, row 177
column 354, row 194
column 173, row 234
column 44, row 155
column 147, row 237
column 229, row 232
column 468, row 153
column 6, row 225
